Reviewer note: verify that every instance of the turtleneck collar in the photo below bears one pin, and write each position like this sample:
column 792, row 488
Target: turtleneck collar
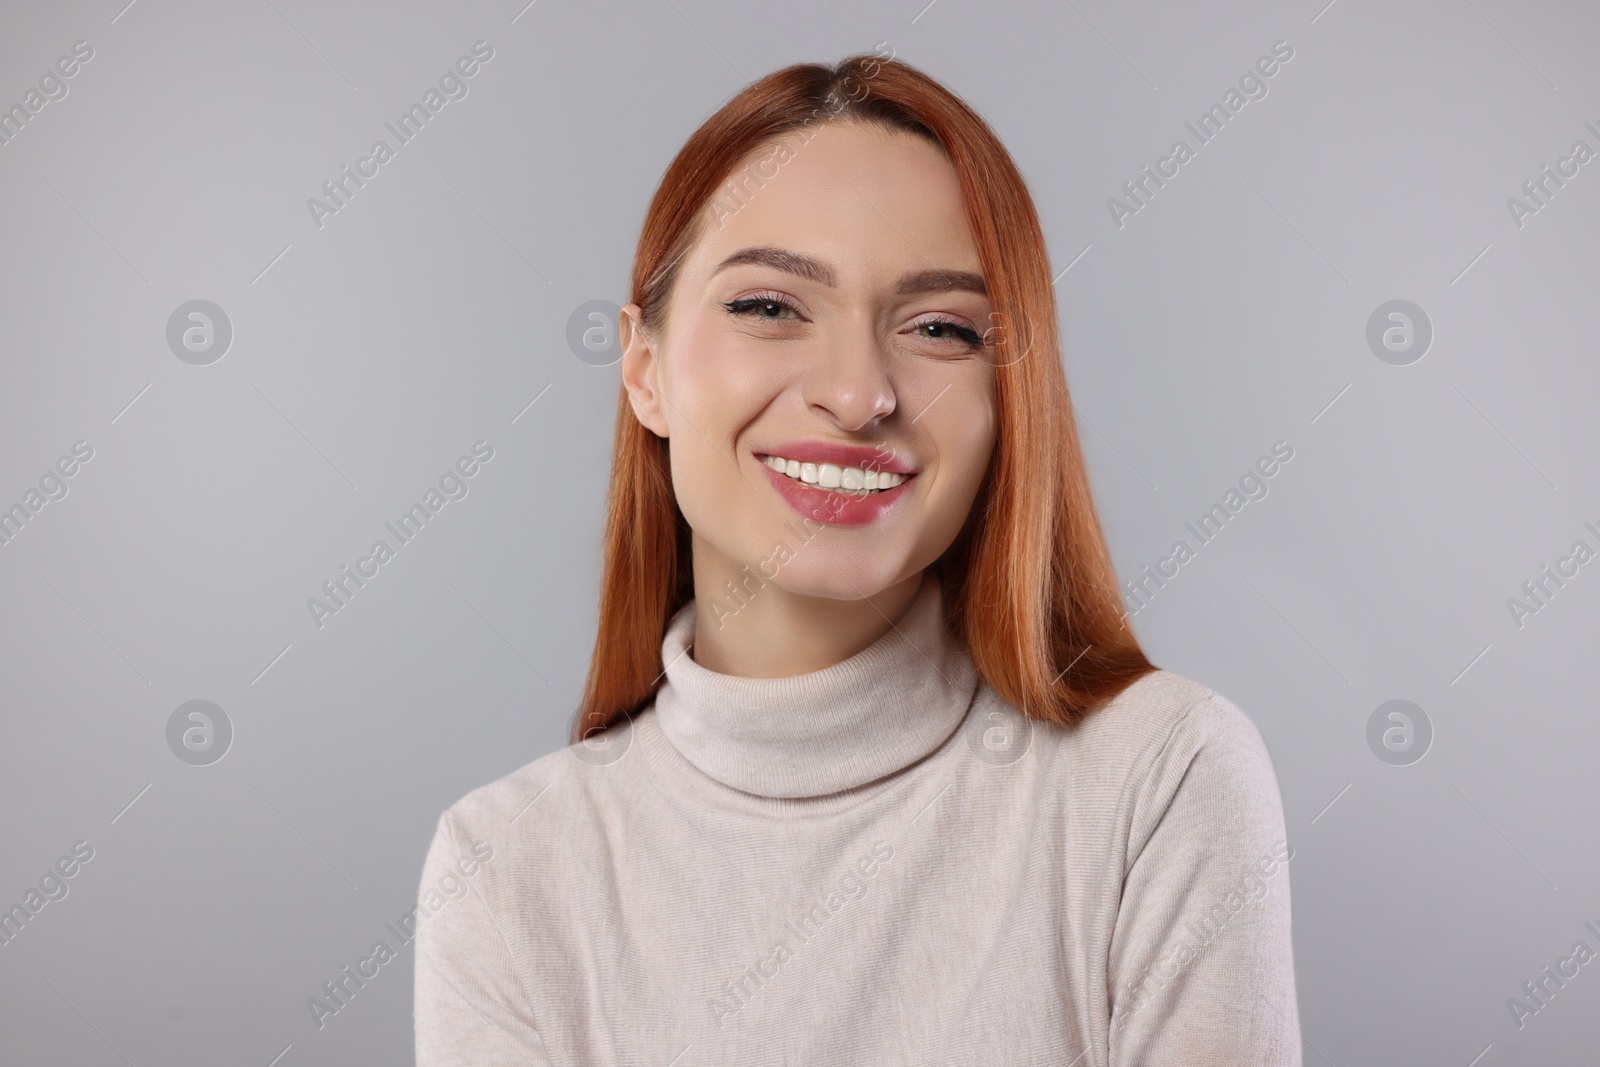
column 809, row 735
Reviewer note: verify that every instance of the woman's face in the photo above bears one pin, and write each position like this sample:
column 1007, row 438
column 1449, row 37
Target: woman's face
column 831, row 316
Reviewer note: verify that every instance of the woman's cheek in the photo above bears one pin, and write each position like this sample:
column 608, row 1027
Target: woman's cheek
column 715, row 371
column 967, row 426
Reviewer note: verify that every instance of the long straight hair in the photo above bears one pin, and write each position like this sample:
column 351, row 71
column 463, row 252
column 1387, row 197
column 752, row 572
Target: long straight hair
column 1028, row 584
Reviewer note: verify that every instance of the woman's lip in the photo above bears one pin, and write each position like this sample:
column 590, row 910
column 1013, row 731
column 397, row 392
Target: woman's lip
column 872, row 459
column 836, row 508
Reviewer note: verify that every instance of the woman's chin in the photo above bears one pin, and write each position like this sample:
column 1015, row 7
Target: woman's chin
column 834, row 579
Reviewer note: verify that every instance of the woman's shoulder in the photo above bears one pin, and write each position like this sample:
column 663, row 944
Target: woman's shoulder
column 1160, row 710
column 1167, row 736
column 552, row 790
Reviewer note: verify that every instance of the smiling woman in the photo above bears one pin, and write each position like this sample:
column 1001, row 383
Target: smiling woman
column 856, row 599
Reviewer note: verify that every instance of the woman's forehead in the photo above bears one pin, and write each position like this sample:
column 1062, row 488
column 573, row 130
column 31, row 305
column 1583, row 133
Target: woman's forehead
column 855, row 197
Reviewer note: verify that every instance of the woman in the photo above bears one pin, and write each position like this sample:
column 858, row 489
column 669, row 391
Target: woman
column 869, row 767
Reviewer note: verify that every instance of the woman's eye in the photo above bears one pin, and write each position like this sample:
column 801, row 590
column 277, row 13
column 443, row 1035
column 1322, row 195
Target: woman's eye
column 948, row 330
column 761, row 307
column 776, row 309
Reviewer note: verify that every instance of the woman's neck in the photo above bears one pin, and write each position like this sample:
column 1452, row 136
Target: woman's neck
column 752, row 627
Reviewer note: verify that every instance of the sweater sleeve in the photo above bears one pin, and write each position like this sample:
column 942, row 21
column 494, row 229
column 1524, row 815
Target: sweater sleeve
column 470, row 1005
column 1201, row 966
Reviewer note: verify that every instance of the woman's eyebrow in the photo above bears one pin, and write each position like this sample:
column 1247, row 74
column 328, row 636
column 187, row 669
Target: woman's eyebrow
column 942, row 281
column 782, row 259
column 925, row 281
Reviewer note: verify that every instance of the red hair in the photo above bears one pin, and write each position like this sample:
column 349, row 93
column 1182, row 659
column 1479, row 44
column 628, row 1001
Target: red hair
column 1028, row 584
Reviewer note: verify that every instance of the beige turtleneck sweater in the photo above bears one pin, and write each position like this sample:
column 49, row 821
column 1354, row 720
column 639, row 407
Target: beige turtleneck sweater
column 877, row 863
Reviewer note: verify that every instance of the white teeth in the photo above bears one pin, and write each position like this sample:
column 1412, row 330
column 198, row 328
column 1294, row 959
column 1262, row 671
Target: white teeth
column 833, row 476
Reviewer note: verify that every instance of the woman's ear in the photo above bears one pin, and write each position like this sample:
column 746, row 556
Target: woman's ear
column 641, row 370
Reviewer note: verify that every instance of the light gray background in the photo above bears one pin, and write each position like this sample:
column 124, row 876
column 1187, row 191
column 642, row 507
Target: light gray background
column 432, row 311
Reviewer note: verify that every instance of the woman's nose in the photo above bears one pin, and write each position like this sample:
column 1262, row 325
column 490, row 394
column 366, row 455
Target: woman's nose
column 850, row 378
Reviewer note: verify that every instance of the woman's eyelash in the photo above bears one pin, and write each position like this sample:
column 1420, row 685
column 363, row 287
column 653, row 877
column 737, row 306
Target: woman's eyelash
column 966, row 333
column 745, row 305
